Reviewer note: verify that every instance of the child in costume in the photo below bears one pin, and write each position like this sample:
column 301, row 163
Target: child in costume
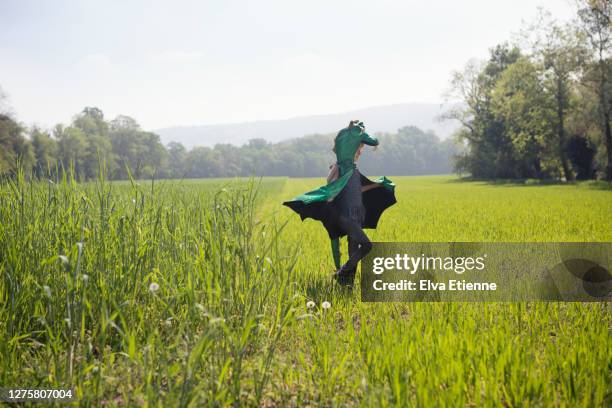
column 349, row 201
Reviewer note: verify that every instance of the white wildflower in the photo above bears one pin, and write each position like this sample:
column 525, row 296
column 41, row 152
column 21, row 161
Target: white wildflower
column 326, row 305
column 310, row 304
column 47, row 291
column 153, row 287
column 85, row 277
column 133, row 201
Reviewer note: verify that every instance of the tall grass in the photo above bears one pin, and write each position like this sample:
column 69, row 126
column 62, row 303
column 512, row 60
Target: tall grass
column 141, row 292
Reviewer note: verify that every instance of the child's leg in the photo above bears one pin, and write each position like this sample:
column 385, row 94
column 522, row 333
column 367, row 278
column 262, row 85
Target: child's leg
column 358, row 242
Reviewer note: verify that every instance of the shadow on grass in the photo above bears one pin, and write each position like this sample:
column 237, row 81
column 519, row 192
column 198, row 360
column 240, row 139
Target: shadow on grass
column 592, row 184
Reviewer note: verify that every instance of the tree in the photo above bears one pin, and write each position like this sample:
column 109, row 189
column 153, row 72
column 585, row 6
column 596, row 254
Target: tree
column 581, row 153
column 177, row 156
column 203, row 162
column 98, row 150
column 123, row 134
column 489, row 152
column 14, row 147
column 559, row 50
column 140, row 152
column 520, row 100
column 45, row 151
column 73, row 149
column 154, row 156
column 595, row 16
column 91, row 122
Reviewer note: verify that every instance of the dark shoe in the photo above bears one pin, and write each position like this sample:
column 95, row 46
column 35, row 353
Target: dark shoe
column 345, row 277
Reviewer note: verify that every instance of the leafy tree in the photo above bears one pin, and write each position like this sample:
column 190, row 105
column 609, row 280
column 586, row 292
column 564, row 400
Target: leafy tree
column 595, row 16
column 560, row 51
column 489, row 152
column 203, row 162
column 14, row 147
column 45, row 151
column 98, row 148
column 527, row 110
column 581, row 153
column 177, row 156
column 73, row 150
column 139, row 151
column 153, row 155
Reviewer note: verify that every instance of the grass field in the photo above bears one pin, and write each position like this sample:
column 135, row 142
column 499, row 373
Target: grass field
column 194, row 293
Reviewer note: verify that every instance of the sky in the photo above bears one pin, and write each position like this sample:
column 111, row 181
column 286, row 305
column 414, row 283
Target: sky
column 168, row 63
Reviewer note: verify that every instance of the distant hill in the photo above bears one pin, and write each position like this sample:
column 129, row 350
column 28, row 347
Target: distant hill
column 386, row 118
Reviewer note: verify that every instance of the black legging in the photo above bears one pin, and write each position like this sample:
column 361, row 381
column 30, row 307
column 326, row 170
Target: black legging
column 358, row 242
column 351, row 213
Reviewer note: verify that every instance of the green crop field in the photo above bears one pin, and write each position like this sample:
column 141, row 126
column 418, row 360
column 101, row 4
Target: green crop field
column 194, row 293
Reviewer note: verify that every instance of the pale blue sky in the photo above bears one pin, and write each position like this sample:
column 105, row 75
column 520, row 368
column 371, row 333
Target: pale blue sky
column 199, row 62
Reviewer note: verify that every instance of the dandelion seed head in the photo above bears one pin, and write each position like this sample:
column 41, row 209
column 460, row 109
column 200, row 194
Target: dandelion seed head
column 153, row 287
column 326, row 305
column 47, row 291
column 310, row 304
column 133, row 201
column 85, row 277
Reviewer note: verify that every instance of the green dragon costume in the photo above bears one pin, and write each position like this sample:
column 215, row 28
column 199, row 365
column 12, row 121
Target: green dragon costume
column 322, row 203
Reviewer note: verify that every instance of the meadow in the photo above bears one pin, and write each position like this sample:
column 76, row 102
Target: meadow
column 195, row 293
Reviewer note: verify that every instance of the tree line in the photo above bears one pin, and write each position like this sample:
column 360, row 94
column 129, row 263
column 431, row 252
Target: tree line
column 541, row 107
column 125, row 150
